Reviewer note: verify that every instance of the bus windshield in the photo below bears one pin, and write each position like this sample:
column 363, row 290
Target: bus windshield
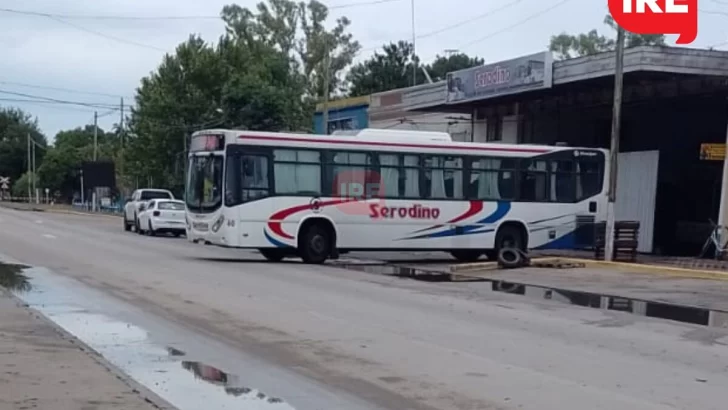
column 203, row 192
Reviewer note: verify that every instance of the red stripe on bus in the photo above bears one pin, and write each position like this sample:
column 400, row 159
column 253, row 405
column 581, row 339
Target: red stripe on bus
column 475, row 207
column 393, row 144
column 277, row 218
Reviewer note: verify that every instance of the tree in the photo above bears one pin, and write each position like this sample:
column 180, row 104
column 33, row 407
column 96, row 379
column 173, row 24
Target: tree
column 21, row 185
column 15, row 126
column 393, row 69
column 277, row 23
column 71, row 148
column 386, row 71
column 569, row 46
column 442, row 65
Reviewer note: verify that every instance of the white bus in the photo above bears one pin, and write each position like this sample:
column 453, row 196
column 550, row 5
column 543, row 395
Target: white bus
column 316, row 196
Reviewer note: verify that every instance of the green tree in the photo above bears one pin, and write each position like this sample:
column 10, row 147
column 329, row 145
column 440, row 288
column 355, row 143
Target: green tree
column 15, row 126
column 569, row 46
column 21, row 186
column 63, row 161
column 442, row 65
column 392, row 68
column 276, row 23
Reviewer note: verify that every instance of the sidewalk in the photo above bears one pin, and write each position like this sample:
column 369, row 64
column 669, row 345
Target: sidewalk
column 43, row 368
column 58, row 208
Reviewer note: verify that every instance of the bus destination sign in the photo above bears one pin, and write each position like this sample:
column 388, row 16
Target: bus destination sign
column 207, row 142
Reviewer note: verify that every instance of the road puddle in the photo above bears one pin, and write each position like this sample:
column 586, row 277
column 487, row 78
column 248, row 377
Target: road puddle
column 660, row 310
column 12, row 277
column 185, row 384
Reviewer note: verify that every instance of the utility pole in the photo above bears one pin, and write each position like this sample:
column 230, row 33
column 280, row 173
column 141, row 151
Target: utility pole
column 35, row 189
column 414, row 60
column 327, row 66
column 614, row 146
column 29, row 174
column 96, row 132
column 121, row 122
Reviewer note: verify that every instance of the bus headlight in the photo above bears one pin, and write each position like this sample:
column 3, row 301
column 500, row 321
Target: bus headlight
column 216, row 226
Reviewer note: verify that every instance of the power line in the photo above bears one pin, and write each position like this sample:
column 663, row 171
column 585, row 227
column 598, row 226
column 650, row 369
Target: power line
column 57, row 101
column 68, row 90
column 512, row 26
column 109, row 37
column 105, row 17
column 45, row 104
column 456, row 24
column 470, row 20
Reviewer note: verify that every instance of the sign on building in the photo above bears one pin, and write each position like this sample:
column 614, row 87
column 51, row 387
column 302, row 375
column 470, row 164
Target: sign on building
column 533, row 72
column 712, row 152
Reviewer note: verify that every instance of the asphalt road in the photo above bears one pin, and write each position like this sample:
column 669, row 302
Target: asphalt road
column 395, row 343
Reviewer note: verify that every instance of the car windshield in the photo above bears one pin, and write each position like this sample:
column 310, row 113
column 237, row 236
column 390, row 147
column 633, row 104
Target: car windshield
column 148, row 195
column 203, row 192
column 174, row 206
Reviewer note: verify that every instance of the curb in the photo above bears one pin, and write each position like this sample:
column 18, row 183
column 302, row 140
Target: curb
column 624, row 266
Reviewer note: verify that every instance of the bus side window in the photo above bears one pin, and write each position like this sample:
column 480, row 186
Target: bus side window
column 253, row 173
column 534, row 180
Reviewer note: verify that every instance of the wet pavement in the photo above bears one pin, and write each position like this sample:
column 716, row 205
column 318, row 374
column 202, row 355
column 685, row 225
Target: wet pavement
column 144, row 353
column 572, row 293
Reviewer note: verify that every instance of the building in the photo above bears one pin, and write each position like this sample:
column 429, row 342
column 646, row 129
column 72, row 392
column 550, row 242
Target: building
column 344, row 114
column 674, row 117
column 397, row 109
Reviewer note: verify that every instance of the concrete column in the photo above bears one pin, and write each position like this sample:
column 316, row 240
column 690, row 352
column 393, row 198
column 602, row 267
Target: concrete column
column 722, row 213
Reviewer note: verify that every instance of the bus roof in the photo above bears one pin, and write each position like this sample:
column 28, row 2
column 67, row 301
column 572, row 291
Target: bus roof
column 384, row 140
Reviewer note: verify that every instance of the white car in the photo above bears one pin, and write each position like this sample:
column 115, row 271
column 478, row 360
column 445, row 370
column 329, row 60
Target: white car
column 139, row 197
column 161, row 216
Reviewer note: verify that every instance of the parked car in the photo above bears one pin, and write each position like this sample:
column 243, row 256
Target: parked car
column 138, row 198
column 161, row 216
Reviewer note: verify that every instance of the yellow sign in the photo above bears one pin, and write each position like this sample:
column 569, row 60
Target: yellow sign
column 712, row 152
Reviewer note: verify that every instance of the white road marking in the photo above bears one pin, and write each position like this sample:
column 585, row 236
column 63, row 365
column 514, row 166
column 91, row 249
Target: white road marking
column 38, row 221
column 49, row 236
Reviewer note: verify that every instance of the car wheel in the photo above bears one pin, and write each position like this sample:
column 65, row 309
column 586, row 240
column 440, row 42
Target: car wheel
column 150, row 230
column 127, row 226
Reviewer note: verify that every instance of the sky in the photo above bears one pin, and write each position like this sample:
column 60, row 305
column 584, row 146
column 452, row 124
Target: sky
column 99, row 61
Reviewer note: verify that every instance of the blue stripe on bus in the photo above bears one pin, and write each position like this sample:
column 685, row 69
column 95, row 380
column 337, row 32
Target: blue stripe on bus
column 502, row 209
column 275, row 242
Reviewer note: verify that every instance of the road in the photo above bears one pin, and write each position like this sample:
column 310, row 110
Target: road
column 394, row 343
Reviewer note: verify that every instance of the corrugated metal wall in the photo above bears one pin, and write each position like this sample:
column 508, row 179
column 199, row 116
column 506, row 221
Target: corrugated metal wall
column 637, row 192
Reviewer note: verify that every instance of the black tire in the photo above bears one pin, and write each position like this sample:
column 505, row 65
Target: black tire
column 137, row 227
column 151, row 231
column 466, row 255
column 509, row 236
column 127, row 226
column 315, row 244
column 273, row 255
column 510, row 258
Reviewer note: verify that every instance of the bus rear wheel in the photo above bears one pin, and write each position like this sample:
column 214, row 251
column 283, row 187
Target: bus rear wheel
column 466, row 255
column 510, row 236
column 315, row 244
column 273, row 255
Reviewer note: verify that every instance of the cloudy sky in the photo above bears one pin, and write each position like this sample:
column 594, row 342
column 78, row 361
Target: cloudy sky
column 70, row 54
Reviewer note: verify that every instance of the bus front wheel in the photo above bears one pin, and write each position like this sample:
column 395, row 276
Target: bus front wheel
column 315, row 244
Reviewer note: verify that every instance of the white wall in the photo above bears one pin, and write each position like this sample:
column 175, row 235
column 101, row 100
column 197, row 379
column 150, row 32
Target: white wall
column 637, row 193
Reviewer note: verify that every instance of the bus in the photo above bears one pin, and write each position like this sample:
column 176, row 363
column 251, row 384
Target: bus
column 317, row 196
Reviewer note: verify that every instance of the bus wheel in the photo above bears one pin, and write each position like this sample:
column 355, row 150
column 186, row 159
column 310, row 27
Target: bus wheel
column 315, row 244
column 468, row 255
column 273, row 255
column 510, row 235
